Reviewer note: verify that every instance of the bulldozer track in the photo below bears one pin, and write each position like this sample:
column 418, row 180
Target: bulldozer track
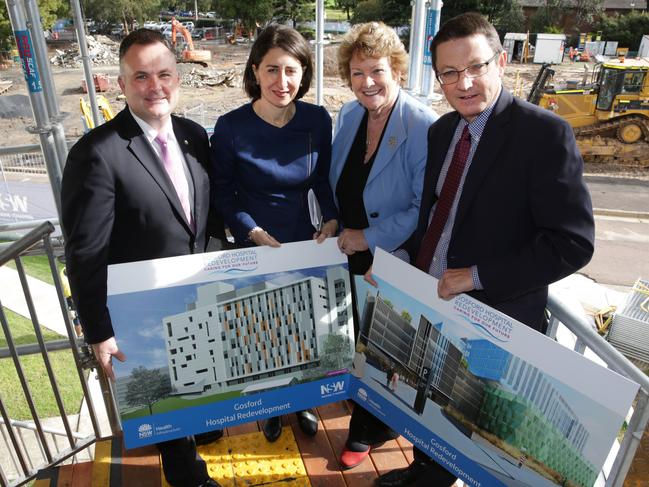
column 599, row 143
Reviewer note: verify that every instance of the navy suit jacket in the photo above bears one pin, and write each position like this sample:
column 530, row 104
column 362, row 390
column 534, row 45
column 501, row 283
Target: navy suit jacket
column 119, row 205
column 525, row 214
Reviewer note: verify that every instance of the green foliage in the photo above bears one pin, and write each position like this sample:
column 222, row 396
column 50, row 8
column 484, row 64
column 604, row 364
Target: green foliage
column 307, row 33
column 336, row 352
column 367, row 10
column 294, row 10
column 122, row 11
column 146, row 387
column 249, row 12
column 347, row 6
column 50, row 10
column 505, row 15
column 548, row 18
column 626, row 29
column 406, row 316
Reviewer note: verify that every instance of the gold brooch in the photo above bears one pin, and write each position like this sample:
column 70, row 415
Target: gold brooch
column 392, row 141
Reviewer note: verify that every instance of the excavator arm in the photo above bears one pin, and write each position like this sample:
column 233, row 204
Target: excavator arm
column 178, row 27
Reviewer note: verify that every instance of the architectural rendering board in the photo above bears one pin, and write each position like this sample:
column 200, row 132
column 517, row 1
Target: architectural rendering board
column 223, row 338
column 490, row 399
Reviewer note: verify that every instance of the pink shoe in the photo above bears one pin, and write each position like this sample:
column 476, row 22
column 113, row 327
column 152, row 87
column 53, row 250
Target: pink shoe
column 349, row 459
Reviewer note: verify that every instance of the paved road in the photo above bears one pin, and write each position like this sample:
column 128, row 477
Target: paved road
column 622, row 245
column 621, row 230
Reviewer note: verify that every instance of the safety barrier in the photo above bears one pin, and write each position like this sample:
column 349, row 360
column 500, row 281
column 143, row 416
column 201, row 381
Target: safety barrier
column 586, row 338
column 36, row 444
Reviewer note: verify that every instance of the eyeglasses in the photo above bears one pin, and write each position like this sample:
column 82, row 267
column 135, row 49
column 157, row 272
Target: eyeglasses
column 473, row 71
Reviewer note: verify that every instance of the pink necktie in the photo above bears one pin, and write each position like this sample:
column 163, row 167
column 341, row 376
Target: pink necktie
column 445, row 201
column 174, row 169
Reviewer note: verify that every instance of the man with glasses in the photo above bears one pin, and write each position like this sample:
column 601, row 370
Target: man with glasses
column 504, row 209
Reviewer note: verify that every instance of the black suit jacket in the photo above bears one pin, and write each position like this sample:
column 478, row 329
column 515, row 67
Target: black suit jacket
column 525, row 214
column 119, row 205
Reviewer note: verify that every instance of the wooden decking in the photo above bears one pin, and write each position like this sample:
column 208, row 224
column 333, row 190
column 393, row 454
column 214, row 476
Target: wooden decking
column 140, row 467
column 115, row 467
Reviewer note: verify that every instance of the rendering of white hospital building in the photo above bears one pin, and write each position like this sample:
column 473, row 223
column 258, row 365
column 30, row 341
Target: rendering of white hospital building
column 229, row 336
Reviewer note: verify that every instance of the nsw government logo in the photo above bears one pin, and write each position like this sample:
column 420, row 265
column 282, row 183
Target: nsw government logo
column 332, row 388
column 145, row 431
column 362, row 394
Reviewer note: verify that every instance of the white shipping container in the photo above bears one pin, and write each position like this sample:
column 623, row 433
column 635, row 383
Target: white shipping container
column 549, row 48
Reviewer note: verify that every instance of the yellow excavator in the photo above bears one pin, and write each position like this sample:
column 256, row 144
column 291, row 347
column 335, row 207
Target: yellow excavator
column 105, row 110
column 609, row 112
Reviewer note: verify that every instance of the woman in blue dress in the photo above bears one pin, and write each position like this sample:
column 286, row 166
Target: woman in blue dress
column 268, row 154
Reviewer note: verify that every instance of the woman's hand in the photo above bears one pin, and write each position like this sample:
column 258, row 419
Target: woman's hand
column 259, row 236
column 329, row 229
column 352, row 241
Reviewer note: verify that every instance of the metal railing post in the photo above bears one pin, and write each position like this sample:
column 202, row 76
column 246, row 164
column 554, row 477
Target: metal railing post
column 587, row 337
column 39, row 107
column 85, row 59
column 319, row 51
column 43, row 62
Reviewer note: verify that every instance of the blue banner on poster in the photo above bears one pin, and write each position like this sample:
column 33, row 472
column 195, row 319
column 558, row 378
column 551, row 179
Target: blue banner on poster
column 218, row 415
column 26, row 51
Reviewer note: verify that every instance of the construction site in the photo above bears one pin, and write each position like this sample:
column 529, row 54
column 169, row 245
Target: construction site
column 211, row 89
column 605, row 100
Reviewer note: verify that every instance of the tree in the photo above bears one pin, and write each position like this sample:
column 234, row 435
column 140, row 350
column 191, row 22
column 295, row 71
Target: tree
column 549, row 17
column 626, row 29
column 346, row 6
column 125, row 12
column 294, row 10
column 336, row 352
column 49, row 10
column 249, row 12
column 146, row 387
column 406, row 316
column 587, row 12
column 367, row 10
column 396, row 12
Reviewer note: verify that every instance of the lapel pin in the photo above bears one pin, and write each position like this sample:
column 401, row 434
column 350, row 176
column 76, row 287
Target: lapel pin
column 186, row 142
column 392, row 141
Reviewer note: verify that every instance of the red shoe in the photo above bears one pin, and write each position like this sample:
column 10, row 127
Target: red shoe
column 349, row 459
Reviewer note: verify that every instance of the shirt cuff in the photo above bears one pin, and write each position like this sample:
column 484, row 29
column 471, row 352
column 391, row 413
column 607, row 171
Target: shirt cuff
column 477, row 285
column 402, row 254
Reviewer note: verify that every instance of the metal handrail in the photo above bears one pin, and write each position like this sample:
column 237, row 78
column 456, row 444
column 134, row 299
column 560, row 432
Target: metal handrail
column 588, row 338
column 52, row 431
column 25, row 467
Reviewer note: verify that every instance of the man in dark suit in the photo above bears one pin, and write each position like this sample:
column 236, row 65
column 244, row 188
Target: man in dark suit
column 136, row 188
column 504, row 209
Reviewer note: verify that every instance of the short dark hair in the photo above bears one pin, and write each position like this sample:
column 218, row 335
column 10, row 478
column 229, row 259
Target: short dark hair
column 143, row 37
column 287, row 39
column 465, row 25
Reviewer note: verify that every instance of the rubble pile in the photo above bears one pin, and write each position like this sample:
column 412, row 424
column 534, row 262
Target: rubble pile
column 199, row 77
column 101, row 50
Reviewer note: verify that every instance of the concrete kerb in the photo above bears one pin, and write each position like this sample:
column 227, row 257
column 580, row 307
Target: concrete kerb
column 640, row 215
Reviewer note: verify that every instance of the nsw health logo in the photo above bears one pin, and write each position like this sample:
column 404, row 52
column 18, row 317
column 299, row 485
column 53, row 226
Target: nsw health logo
column 145, row 430
column 332, row 388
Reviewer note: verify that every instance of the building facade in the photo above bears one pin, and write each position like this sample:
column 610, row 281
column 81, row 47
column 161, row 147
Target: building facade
column 234, row 336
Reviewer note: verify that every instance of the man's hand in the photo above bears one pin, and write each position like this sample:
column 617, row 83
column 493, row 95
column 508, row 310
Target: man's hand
column 327, row 230
column 104, row 353
column 259, row 237
column 369, row 278
column 352, row 241
column 454, row 282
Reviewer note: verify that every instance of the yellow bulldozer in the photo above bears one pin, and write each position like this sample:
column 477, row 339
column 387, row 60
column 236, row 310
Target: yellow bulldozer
column 608, row 110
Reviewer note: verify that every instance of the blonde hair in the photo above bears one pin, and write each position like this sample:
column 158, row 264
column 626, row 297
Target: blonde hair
column 372, row 40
